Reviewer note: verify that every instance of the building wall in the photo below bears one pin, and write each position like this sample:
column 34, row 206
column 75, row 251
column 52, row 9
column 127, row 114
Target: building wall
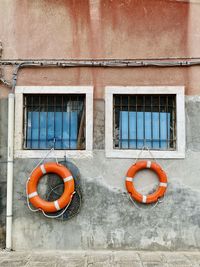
column 121, row 29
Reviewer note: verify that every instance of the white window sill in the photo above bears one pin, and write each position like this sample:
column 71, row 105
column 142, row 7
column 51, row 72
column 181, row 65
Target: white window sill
column 53, row 154
column 126, row 153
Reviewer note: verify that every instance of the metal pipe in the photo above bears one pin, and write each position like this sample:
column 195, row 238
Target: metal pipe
column 95, row 63
column 105, row 63
column 10, row 157
column 174, row 62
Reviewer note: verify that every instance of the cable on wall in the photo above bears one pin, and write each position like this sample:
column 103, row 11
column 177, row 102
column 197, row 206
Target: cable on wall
column 102, row 63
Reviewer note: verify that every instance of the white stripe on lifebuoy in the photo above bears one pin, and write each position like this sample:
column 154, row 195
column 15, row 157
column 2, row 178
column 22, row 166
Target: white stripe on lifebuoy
column 163, row 184
column 129, row 179
column 32, row 194
column 148, row 164
column 56, row 205
column 67, row 179
column 43, row 169
column 144, row 199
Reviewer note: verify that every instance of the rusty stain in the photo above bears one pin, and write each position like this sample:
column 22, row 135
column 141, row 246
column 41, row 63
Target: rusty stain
column 101, row 29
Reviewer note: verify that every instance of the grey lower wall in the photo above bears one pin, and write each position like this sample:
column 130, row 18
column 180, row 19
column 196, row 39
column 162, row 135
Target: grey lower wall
column 108, row 220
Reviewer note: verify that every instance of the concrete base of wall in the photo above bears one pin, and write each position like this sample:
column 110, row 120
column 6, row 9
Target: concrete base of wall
column 99, row 259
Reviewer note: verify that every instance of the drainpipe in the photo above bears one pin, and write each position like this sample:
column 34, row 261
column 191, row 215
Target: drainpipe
column 10, row 157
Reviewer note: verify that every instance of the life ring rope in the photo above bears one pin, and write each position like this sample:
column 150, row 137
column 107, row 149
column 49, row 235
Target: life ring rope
column 160, row 200
column 31, row 195
column 37, row 174
column 150, row 153
column 146, row 164
column 162, row 186
column 46, row 215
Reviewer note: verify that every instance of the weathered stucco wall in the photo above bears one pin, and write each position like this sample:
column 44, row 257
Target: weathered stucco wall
column 108, row 220
column 94, row 29
column 100, row 29
column 106, row 29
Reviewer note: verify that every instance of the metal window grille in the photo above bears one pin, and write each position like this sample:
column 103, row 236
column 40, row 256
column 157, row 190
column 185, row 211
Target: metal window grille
column 144, row 120
column 56, row 121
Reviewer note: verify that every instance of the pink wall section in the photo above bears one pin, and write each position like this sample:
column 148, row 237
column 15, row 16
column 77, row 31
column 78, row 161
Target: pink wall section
column 94, row 29
column 100, row 78
column 102, row 29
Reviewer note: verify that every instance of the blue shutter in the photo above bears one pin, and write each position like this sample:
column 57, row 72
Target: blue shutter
column 35, row 129
column 123, row 133
column 151, row 129
column 155, row 118
column 132, row 129
column 74, row 128
column 43, row 129
column 148, row 125
column 50, row 132
column 66, row 129
column 58, row 130
column 164, row 129
column 61, row 127
column 29, row 128
column 140, row 129
column 70, row 130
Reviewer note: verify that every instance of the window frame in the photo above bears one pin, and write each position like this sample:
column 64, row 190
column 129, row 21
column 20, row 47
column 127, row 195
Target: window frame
column 20, row 152
column 158, row 90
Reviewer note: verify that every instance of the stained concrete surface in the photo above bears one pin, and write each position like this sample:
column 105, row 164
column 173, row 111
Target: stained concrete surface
column 99, row 259
column 108, row 220
column 193, row 123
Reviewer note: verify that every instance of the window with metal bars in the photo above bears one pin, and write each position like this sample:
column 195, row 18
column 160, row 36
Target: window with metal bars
column 144, row 121
column 54, row 121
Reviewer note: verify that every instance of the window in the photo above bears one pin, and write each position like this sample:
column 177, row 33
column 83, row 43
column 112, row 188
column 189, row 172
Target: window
column 138, row 117
column 53, row 117
column 54, row 121
column 144, row 121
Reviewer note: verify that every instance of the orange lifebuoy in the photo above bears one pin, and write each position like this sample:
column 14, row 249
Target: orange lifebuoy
column 64, row 200
column 140, row 165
